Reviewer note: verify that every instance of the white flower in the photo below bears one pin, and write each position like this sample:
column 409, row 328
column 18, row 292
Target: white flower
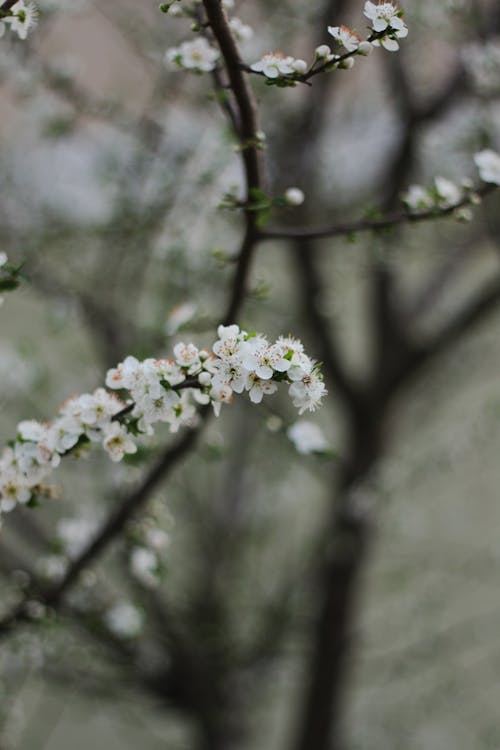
column 258, row 388
column 386, row 17
column 12, row 491
column 264, row 360
column 117, row 442
column 294, row 196
column 307, row 437
column 230, row 338
column 24, row 19
column 274, row 65
column 157, row 538
column 3, row 256
column 126, row 375
column 184, row 413
column 345, row 37
column 75, row 534
column 448, row 193
column 124, row 620
column 292, row 345
column 144, row 566
column 488, row 163
column 220, row 394
column 187, row 356
column 417, row 199
column 383, row 16
column 197, row 55
column 241, row 30
column 307, row 392
column 167, row 369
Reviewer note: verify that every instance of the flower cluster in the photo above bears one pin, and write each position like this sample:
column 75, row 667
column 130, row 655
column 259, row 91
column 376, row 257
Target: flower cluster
column 441, row 196
column 280, row 69
column 199, row 55
column 387, row 23
column 156, row 390
column 387, row 27
column 445, row 194
column 21, row 19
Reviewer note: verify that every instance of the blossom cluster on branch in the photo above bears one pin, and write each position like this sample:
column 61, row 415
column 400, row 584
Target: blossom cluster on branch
column 156, row 390
column 20, row 19
column 445, row 194
column 386, row 28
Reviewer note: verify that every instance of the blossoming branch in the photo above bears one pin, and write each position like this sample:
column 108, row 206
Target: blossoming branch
column 157, row 390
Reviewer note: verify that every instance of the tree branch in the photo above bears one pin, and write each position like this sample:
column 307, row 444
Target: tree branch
column 366, row 225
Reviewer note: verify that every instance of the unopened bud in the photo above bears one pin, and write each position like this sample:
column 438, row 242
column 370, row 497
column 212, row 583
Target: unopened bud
column 294, row 196
column 364, row 48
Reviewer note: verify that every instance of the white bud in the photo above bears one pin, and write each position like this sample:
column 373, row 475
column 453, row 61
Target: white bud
column 204, row 378
column 323, row 51
column 294, row 196
column 300, row 66
column 364, row 48
column 346, row 64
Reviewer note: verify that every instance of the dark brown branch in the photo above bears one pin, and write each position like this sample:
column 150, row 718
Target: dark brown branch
column 247, row 134
column 111, row 528
column 473, row 312
column 137, row 499
column 366, row 225
column 7, row 5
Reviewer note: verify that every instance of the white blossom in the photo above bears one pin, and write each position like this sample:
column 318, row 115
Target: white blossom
column 197, row 55
column 448, row 193
column 345, row 37
column 238, row 363
column 307, row 437
column 417, row 199
column 386, row 17
column 144, row 566
column 488, row 163
column 75, row 534
column 117, row 442
column 24, row 18
column 124, row 620
column 241, row 30
column 274, row 65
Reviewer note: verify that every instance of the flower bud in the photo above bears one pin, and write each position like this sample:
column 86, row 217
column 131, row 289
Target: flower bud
column 300, row 66
column 364, row 48
column 294, row 196
column 346, row 64
column 323, row 52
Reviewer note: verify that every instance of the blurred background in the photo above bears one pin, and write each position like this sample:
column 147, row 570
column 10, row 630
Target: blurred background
column 198, row 627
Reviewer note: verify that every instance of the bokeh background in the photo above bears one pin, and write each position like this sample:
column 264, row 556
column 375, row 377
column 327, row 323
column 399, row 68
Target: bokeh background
column 112, row 166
